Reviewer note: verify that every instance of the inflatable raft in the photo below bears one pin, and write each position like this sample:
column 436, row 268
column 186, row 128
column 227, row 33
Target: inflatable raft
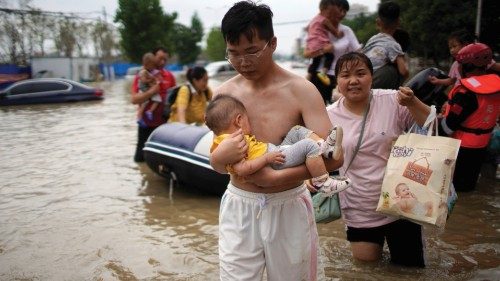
column 427, row 92
column 180, row 153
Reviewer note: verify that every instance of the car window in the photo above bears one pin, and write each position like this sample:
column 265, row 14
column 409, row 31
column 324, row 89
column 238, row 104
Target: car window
column 22, row 89
column 50, row 86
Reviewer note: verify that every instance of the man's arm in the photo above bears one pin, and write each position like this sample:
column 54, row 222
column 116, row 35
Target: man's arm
column 248, row 167
column 315, row 118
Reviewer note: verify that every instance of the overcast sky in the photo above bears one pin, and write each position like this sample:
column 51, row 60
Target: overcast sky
column 211, row 13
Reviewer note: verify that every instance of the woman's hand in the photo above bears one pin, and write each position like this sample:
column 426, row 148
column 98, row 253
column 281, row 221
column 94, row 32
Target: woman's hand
column 405, row 96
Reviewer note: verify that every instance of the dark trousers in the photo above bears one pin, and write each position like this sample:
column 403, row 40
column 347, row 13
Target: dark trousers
column 324, row 90
column 404, row 239
column 468, row 167
column 313, row 67
column 142, row 136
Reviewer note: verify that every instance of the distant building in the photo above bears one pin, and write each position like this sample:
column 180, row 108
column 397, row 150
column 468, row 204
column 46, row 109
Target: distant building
column 356, row 10
column 76, row 69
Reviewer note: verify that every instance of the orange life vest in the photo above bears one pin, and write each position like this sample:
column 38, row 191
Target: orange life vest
column 475, row 132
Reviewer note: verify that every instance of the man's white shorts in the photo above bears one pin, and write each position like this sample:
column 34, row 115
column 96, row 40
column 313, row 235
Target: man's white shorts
column 275, row 232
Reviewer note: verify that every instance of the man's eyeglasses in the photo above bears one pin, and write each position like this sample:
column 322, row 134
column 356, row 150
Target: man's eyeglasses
column 252, row 58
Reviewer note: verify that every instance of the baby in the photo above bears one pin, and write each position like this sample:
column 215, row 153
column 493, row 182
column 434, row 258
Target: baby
column 318, row 41
column 408, row 203
column 148, row 77
column 226, row 114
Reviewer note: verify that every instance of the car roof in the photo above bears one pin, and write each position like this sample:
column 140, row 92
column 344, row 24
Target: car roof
column 217, row 63
column 35, row 80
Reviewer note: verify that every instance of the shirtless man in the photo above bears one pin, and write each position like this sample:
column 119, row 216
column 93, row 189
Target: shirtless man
column 266, row 220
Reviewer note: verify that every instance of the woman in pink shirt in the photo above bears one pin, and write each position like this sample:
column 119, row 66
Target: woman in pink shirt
column 390, row 113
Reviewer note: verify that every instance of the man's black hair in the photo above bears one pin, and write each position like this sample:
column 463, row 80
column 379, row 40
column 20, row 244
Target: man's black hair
column 247, row 17
column 159, row 48
column 388, row 12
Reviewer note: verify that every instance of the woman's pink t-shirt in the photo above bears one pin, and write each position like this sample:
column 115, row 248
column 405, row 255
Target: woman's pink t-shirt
column 386, row 120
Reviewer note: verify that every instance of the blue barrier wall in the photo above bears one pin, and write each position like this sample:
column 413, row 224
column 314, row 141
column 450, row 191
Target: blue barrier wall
column 120, row 68
column 14, row 69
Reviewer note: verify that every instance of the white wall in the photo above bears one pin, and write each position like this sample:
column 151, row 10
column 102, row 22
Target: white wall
column 70, row 68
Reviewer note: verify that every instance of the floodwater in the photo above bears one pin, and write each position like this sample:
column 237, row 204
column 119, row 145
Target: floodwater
column 74, row 206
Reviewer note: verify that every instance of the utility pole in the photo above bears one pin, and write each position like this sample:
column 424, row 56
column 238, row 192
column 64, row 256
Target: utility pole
column 478, row 18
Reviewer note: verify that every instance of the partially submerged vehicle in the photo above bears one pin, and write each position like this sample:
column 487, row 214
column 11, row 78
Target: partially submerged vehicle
column 48, row 90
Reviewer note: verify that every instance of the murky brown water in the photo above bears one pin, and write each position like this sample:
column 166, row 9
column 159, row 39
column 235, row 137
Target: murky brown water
column 74, row 206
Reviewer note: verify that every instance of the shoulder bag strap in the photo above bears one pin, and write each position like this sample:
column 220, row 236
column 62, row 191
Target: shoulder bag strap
column 365, row 114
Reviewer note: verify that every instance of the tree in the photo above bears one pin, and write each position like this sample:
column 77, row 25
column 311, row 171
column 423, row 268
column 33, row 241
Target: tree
column 430, row 22
column 364, row 26
column 65, row 39
column 187, row 40
column 216, row 46
column 103, row 37
column 144, row 26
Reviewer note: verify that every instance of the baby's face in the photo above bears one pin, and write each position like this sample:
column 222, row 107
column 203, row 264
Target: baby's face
column 404, row 191
column 454, row 47
column 150, row 65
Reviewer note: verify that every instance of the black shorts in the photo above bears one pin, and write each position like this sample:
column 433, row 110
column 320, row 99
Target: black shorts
column 403, row 237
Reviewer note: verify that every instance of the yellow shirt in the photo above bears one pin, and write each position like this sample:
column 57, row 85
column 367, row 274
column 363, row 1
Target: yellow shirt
column 255, row 148
column 195, row 111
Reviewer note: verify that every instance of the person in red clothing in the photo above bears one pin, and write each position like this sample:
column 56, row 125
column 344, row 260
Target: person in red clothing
column 471, row 113
column 167, row 81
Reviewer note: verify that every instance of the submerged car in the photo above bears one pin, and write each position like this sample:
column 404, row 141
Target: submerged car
column 220, row 69
column 48, row 90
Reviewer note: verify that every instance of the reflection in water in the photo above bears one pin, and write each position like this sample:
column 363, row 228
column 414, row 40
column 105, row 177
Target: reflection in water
column 74, row 206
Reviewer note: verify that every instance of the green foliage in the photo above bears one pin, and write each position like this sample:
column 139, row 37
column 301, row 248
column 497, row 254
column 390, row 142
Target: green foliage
column 186, row 40
column 216, row 46
column 144, row 26
column 363, row 26
column 430, row 22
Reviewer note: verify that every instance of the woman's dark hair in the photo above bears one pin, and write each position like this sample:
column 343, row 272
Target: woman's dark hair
column 247, row 17
column 353, row 58
column 196, row 72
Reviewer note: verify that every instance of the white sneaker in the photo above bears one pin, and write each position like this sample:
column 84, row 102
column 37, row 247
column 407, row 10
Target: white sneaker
column 334, row 185
column 331, row 147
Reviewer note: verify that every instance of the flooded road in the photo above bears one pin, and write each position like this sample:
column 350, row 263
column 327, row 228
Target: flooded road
column 74, row 206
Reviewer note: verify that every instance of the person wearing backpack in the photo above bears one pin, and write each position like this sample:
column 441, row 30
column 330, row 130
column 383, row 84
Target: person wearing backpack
column 192, row 98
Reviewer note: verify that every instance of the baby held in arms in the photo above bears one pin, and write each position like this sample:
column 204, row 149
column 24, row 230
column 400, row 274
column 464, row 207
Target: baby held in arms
column 226, row 114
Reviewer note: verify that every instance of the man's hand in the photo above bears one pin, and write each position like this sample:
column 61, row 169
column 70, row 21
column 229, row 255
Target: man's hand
column 231, row 150
column 275, row 157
